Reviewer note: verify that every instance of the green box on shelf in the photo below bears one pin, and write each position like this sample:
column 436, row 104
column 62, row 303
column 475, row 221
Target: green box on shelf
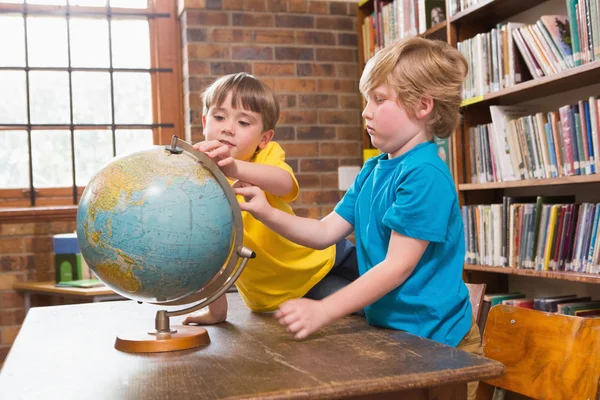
column 68, row 267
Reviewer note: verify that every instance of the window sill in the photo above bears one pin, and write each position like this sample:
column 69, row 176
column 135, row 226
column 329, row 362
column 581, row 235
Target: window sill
column 37, row 214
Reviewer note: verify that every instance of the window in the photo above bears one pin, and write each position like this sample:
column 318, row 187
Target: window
column 79, row 84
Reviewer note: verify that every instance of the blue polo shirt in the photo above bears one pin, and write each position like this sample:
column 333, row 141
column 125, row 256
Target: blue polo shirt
column 414, row 195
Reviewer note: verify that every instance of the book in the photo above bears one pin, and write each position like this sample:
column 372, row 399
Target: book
column 81, row 283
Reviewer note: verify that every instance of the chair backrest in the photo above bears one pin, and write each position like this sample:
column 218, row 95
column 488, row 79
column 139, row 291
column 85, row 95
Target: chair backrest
column 476, row 293
column 547, row 356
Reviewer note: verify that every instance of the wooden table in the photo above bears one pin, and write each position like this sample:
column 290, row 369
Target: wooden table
column 49, row 288
column 67, row 352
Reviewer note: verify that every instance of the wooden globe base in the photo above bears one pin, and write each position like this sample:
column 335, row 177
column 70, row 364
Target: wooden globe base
column 186, row 337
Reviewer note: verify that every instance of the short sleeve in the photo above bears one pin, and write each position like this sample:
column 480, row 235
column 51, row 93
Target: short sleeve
column 274, row 155
column 422, row 205
column 346, row 208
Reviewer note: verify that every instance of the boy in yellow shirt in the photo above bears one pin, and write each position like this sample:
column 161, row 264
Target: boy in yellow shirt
column 239, row 117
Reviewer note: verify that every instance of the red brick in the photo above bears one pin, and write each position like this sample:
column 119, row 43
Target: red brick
column 318, row 164
column 348, row 71
column 202, row 51
column 39, row 244
column 226, row 67
column 231, row 35
column 350, row 161
column 277, row 5
column 3, row 353
column 339, row 117
column 347, row 39
column 342, row 55
column 295, row 85
column 318, row 7
column 300, row 149
column 308, row 212
column 287, row 101
column 316, row 133
column 189, row 4
column 317, row 101
column 315, row 37
column 326, row 210
column 195, row 67
column 298, row 6
column 337, row 85
column 308, row 180
column 233, row 4
column 246, row 19
column 294, row 53
column 335, row 23
column 11, row 245
column 41, row 261
column 255, row 5
column 12, row 263
column 11, row 299
column 273, row 69
column 12, row 317
column 196, row 134
column 285, row 133
column 273, row 36
column 297, row 117
column 28, row 228
column 214, row 4
column 295, row 21
column 294, row 164
column 9, row 279
column 338, row 8
column 340, row 149
column 349, row 132
column 329, row 180
column 251, row 53
column 319, row 196
column 9, row 334
column 62, row 226
column 206, row 18
column 195, row 35
column 195, row 83
column 351, row 101
column 306, row 69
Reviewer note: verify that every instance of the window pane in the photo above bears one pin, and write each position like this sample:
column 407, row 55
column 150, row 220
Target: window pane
column 129, row 3
column 51, row 158
column 47, row 41
column 133, row 140
column 93, row 149
column 133, row 98
column 88, row 3
column 91, row 98
column 89, row 42
column 12, row 52
column 15, row 161
column 49, row 97
column 131, row 43
column 49, row 2
column 13, row 97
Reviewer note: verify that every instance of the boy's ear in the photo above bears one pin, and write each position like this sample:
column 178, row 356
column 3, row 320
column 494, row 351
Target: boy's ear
column 203, row 121
column 265, row 138
column 425, row 107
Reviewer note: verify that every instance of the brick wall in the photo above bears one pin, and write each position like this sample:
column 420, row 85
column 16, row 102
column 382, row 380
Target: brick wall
column 26, row 254
column 307, row 52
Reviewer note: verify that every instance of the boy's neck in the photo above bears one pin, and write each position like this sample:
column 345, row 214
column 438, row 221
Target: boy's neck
column 421, row 137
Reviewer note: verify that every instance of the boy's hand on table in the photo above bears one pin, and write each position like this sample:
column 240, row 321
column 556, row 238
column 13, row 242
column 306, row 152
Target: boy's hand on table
column 220, row 154
column 303, row 316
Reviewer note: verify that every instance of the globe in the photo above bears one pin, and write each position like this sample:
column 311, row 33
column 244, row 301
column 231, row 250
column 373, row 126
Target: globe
column 155, row 226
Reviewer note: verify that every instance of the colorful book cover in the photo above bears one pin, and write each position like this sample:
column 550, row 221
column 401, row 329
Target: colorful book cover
column 560, row 32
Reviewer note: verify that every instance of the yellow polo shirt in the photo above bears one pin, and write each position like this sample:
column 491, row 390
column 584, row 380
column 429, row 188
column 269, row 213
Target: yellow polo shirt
column 282, row 269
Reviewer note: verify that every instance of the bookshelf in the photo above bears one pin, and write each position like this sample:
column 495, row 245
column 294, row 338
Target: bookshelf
column 466, row 24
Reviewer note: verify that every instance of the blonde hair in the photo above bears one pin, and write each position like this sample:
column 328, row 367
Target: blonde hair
column 247, row 91
column 416, row 68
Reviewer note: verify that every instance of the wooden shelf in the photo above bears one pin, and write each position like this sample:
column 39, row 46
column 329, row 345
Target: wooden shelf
column 492, row 11
column 565, row 180
column 563, row 276
column 573, row 78
column 437, row 32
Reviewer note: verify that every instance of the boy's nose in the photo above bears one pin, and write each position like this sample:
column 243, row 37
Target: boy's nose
column 366, row 114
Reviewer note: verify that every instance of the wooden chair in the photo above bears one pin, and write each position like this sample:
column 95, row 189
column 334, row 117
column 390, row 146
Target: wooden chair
column 476, row 293
column 547, row 356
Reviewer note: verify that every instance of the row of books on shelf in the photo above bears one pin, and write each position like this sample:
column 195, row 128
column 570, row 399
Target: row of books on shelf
column 521, row 143
column 393, row 20
column 570, row 304
column 547, row 233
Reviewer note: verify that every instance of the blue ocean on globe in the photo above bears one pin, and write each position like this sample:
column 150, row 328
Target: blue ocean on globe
column 155, row 226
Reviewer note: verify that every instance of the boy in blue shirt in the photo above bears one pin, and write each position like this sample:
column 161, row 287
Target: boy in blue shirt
column 403, row 207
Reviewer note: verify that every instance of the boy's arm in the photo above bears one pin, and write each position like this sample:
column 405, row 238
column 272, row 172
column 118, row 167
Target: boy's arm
column 304, row 316
column 213, row 314
column 313, row 233
column 271, row 179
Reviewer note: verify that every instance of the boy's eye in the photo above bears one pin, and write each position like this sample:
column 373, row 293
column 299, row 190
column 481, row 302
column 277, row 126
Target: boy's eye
column 379, row 100
column 244, row 123
column 219, row 117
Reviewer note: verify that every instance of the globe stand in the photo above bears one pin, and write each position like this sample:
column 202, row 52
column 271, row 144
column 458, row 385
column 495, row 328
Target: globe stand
column 180, row 337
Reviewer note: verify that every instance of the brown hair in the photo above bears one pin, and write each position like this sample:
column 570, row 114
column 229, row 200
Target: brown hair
column 418, row 67
column 247, row 91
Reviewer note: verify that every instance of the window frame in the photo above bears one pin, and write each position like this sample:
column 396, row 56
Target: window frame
column 167, row 104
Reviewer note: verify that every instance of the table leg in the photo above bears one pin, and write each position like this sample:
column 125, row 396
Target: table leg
column 27, row 299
